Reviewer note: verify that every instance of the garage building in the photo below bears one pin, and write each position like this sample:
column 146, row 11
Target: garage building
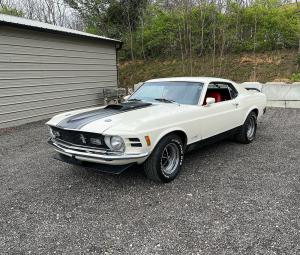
column 45, row 69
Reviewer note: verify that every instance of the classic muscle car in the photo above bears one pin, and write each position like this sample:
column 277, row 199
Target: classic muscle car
column 157, row 125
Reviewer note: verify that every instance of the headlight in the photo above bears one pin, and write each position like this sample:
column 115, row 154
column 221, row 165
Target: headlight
column 116, row 143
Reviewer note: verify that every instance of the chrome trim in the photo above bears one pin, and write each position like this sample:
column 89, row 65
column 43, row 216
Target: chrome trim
column 78, row 147
column 71, row 150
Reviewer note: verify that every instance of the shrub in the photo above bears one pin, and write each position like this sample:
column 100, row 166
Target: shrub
column 295, row 77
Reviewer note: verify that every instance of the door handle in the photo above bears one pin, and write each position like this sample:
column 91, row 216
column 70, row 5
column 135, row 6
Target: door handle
column 236, row 104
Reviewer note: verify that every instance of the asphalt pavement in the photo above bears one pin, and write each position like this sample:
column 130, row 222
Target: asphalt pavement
column 229, row 199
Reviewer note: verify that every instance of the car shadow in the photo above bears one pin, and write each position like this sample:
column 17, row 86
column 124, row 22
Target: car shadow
column 132, row 171
column 136, row 173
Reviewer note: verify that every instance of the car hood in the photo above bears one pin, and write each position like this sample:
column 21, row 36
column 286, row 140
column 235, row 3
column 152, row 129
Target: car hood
column 103, row 119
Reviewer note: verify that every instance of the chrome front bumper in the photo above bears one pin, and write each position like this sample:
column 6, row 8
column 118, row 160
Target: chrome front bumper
column 96, row 155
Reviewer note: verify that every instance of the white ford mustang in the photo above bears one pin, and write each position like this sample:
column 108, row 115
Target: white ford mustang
column 157, row 124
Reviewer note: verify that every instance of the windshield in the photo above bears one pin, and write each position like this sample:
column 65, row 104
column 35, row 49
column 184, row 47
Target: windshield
column 181, row 92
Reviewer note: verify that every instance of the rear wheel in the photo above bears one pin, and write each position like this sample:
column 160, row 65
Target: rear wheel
column 165, row 162
column 248, row 130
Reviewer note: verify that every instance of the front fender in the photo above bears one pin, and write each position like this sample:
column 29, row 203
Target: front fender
column 166, row 132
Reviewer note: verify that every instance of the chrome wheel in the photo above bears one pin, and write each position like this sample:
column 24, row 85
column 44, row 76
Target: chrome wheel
column 170, row 159
column 251, row 128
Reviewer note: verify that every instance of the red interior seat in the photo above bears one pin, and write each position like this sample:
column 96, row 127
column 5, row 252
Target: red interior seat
column 215, row 95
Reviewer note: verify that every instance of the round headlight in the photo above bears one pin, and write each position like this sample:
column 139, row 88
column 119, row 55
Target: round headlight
column 117, row 143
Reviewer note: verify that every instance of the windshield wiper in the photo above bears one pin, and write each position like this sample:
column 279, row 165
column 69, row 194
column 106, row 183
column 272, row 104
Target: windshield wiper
column 135, row 100
column 164, row 100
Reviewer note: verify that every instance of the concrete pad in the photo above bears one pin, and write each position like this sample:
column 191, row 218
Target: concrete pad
column 292, row 104
column 276, row 104
column 276, row 83
column 293, row 93
column 276, row 92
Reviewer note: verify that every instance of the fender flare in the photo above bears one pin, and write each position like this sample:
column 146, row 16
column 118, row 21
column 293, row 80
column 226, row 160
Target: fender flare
column 168, row 131
column 254, row 107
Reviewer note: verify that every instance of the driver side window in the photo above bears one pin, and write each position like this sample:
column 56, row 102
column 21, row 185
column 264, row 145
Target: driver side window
column 221, row 92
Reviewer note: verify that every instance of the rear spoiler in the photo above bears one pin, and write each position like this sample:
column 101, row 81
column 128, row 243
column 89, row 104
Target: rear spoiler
column 254, row 86
column 256, row 89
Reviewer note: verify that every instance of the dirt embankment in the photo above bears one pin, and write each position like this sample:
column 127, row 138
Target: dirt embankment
column 263, row 67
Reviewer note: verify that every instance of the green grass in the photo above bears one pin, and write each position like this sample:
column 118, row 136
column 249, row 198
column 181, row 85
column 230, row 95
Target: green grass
column 270, row 66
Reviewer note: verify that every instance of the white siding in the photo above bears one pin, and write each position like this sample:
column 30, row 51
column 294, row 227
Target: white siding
column 42, row 74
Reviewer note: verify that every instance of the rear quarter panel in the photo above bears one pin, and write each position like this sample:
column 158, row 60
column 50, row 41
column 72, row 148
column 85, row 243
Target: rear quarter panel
column 251, row 100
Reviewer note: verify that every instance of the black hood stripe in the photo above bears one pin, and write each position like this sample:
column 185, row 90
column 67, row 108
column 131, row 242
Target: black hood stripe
column 77, row 121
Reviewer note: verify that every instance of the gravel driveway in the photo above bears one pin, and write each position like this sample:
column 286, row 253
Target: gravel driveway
column 229, row 199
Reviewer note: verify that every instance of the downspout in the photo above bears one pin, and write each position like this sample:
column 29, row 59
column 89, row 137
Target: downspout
column 118, row 48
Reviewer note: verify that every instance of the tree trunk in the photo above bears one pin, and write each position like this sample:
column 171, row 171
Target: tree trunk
column 191, row 53
column 181, row 48
column 222, row 50
column 214, row 46
column 142, row 19
column 130, row 34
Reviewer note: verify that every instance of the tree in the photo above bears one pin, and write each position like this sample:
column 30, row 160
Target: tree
column 7, row 8
column 109, row 17
column 55, row 12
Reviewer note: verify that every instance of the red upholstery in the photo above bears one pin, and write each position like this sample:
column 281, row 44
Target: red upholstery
column 215, row 95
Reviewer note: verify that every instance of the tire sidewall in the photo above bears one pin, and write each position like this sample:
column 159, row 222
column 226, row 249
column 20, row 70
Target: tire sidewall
column 158, row 154
column 251, row 115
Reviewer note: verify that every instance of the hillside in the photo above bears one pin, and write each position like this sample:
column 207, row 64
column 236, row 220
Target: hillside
column 270, row 66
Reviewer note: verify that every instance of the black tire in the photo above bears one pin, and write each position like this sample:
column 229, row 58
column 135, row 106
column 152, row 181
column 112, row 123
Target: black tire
column 153, row 166
column 244, row 135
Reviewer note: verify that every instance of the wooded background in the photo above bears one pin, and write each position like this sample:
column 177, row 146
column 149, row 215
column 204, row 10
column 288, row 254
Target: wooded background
column 183, row 31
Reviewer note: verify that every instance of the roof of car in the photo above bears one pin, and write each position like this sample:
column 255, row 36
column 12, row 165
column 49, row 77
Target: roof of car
column 191, row 79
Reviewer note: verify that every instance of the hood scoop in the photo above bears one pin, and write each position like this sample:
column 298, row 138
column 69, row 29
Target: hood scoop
column 127, row 106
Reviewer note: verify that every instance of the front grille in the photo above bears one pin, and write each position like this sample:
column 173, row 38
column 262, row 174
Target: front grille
column 80, row 138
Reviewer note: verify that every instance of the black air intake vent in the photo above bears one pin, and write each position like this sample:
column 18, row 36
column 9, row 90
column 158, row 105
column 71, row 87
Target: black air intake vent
column 135, row 142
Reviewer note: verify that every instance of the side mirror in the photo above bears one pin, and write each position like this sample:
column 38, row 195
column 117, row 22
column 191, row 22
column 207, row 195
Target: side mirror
column 210, row 100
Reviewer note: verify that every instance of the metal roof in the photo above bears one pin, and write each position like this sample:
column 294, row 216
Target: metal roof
column 36, row 25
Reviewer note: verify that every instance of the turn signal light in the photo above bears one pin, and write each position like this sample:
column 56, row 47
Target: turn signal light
column 148, row 141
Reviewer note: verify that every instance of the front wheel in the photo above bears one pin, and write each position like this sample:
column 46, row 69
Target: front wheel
column 165, row 162
column 248, row 130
